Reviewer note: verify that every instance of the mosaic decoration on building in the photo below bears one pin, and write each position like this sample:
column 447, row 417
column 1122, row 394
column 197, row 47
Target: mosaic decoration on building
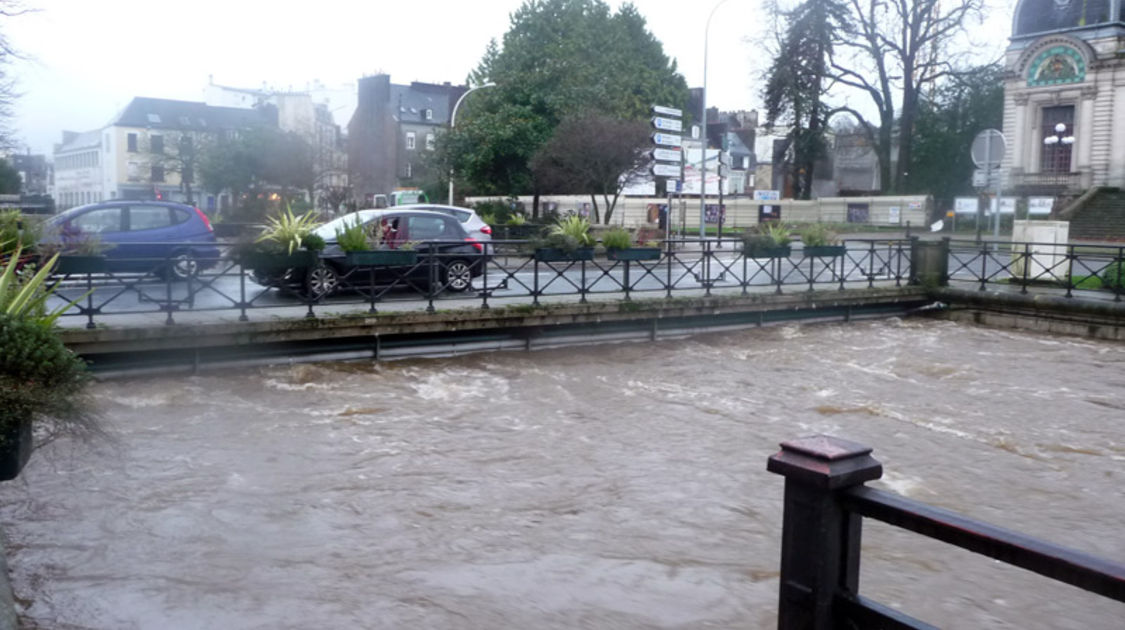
column 1056, row 65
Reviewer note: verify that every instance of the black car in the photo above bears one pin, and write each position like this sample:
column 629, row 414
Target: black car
column 433, row 249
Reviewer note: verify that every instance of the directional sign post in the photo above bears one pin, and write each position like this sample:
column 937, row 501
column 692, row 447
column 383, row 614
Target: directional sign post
column 988, row 153
column 668, row 155
column 667, row 124
column 667, row 111
column 666, row 170
column 666, row 139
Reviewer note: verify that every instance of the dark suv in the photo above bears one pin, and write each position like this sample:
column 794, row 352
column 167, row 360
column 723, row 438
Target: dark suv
column 441, row 244
column 170, row 239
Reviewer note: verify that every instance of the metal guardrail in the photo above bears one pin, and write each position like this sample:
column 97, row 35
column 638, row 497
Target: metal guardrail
column 1065, row 268
column 509, row 271
column 825, row 503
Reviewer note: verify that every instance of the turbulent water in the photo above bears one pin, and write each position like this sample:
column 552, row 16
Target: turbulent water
column 619, row 486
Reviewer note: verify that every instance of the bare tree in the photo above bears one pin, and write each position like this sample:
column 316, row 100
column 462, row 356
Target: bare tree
column 592, row 154
column 8, row 92
column 889, row 50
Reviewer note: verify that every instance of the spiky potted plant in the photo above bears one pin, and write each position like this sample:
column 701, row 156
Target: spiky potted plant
column 285, row 244
column 41, row 381
column 770, row 241
column 618, row 243
column 364, row 246
column 820, row 242
column 568, row 240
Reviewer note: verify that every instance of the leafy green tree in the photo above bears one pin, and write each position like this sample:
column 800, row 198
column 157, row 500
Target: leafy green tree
column 558, row 59
column 962, row 106
column 795, row 85
column 10, row 182
column 254, row 159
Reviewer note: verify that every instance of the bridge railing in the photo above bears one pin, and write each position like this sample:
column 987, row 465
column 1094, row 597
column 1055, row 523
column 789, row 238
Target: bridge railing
column 1097, row 271
column 825, row 503
column 221, row 285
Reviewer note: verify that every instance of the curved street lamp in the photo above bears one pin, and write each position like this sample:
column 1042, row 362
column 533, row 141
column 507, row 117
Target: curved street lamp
column 703, row 131
column 453, row 121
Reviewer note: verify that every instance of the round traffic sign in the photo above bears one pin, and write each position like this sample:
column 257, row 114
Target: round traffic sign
column 988, row 149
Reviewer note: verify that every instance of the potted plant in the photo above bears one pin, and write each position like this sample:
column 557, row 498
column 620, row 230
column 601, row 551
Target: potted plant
column 772, row 242
column 568, row 240
column 41, row 381
column 618, row 243
column 364, row 246
column 287, row 242
column 85, row 254
column 819, row 241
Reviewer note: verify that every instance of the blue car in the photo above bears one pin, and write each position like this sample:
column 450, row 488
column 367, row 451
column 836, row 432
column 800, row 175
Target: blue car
column 168, row 239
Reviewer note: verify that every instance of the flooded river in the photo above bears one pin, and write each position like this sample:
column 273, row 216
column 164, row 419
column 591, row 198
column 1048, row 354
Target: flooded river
column 618, row 486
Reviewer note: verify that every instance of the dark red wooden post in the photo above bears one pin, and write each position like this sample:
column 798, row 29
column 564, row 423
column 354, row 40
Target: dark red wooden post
column 820, row 542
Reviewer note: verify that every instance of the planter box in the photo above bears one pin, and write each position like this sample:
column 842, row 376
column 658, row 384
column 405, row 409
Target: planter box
column 825, row 251
column 272, row 263
column 15, row 447
column 382, row 257
column 768, row 252
column 554, row 254
column 81, row 264
column 634, row 253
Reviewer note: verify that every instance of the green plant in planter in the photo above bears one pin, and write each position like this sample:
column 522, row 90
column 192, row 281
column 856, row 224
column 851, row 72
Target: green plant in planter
column 817, row 235
column 778, row 233
column 288, row 230
column 41, row 381
column 353, row 238
column 17, row 230
column 575, row 227
column 617, row 239
column 515, row 219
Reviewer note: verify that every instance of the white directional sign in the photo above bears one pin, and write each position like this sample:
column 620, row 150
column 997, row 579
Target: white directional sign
column 666, row 139
column 666, row 170
column 667, row 111
column 668, row 155
column 1040, row 205
column 667, row 124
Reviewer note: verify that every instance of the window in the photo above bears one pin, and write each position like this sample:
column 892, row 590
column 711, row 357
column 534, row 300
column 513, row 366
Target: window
column 154, row 118
column 158, row 173
column 429, row 113
column 409, row 170
column 410, row 141
column 98, row 221
column 1057, row 145
column 429, row 141
column 132, row 140
column 149, row 217
column 157, row 143
column 429, row 228
column 107, row 143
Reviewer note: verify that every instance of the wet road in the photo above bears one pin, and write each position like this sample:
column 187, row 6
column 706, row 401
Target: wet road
column 614, row 487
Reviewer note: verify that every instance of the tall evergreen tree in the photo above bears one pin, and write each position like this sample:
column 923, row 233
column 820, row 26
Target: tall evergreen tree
column 795, row 85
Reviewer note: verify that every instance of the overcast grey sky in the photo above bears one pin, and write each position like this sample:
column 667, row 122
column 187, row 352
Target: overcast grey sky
column 88, row 58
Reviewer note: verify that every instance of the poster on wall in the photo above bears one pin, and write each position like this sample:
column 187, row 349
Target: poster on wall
column 714, row 213
column 858, row 212
column 769, row 213
column 1040, row 206
column 894, row 215
column 965, row 205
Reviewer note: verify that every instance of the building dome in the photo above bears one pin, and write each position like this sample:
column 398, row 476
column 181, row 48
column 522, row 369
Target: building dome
column 1036, row 17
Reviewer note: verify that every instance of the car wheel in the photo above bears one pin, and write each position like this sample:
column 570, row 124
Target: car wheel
column 458, row 276
column 322, row 281
column 182, row 266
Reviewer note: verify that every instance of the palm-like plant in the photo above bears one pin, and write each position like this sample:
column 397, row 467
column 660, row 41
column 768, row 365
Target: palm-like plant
column 575, row 227
column 288, row 230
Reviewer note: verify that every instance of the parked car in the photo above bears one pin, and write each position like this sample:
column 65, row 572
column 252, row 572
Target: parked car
column 169, row 239
column 459, row 257
column 468, row 217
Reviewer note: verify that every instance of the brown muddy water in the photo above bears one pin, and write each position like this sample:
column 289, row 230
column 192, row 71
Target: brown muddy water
column 620, row 486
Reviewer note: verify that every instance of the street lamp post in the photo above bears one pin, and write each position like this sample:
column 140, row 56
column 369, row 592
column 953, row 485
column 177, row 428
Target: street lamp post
column 453, row 121
column 703, row 131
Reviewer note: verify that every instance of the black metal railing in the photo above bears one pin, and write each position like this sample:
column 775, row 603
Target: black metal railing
column 1057, row 182
column 825, row 503
column 1096, row 271
column 506, row 272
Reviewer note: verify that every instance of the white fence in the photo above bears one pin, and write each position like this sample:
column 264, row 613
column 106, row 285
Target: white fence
column 744, row 212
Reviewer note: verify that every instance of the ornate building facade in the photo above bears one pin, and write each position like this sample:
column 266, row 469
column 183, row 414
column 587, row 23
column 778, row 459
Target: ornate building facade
column 1064, row 98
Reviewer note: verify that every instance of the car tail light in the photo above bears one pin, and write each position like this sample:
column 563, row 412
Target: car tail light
column 474, row 244
column 486, row 230
column 206, row 221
